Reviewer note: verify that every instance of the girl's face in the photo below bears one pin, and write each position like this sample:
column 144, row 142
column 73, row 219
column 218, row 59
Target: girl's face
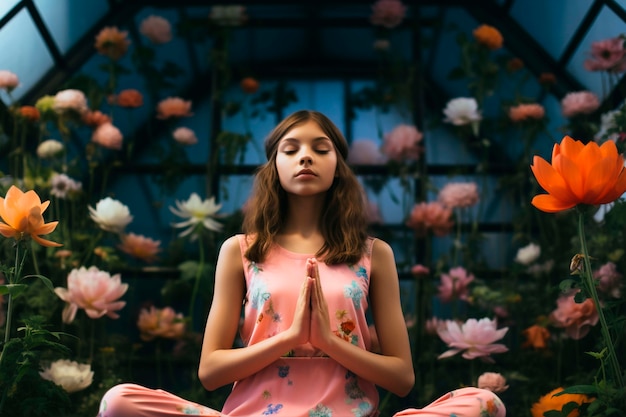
column 306, row 160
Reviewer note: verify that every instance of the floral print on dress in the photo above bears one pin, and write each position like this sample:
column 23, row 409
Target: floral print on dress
column 360, row 271
column 321, row 410
column 345, row 327
column 353, row 391
column 354, row 292
column 490, row 407
column 272, row 409
column 364, row 409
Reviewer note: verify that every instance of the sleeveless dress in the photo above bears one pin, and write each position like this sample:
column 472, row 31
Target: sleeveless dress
column 303, row 382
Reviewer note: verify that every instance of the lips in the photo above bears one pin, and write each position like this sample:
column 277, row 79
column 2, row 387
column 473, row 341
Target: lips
column 305, row 172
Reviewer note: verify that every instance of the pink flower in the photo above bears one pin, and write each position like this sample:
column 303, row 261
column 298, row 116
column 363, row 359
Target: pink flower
column 402, row 143
column 108, row 136
column 607, row 55
column 8, row 80
column 165, row 323
column 575, row 318
column 493, row 382
column 95, row 291
column 459, row 194
column 173, row 107
column 420, row 271
column 140, row 247
column 580, row 102
column 430, row 216
column 185, row 136
column 70, row 100
column 609, row 280
column 523, row 112
column 434, row 324
column 388, row 13
column 365, row 152
column 475, row 338
column 454, row 285
column 157, row 29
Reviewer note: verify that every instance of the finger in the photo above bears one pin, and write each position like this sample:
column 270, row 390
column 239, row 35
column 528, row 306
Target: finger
column 311, row 271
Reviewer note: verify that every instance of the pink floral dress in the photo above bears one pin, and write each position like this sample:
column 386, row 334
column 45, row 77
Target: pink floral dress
column 303, row 382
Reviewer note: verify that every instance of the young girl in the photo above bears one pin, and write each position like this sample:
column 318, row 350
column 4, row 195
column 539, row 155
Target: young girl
column 306, row 272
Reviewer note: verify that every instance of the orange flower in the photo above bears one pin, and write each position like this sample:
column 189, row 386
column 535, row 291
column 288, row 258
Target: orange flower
column 29, row 113
column 95, row 118
column 551, row 402
column 130, row 98
column 547, row 78
column 249, row 85
column 579, row 174
column 523, row 112
column 536, row 337
column 488, row 36
column 112, row 42
column 22, row 214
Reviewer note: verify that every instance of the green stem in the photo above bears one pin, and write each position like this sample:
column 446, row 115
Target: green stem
column 196, row 286
column 591, row 288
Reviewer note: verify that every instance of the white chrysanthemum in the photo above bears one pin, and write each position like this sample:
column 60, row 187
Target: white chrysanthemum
column 528, row 254
column 462, row 111
column 70, row 375
column 49, row 148
column 111, row 215
column 607, row 122
column 197, row 212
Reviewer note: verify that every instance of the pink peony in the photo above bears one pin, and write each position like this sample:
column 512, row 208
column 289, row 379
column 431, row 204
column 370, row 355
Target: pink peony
column 458, row 194
column 165, row 323
column 70, row 100
column 475, row 338
column 8, row 80
column 455, row 284
column 388, row 13
column 157, row 29
column 575, row 318
column 430, row 216
column 402, row 143
column 108, row 136
column 580, row 102
column 173, row 107
column 185, row 136
column 493, row 382
column 365, row 152
column 609, row 280
column 607, row 55
column 140, row 247
column 95, row 291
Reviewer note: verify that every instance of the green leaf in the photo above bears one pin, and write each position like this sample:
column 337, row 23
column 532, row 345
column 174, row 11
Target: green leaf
column 45, row 280
column 579, row 389
column 13, row 289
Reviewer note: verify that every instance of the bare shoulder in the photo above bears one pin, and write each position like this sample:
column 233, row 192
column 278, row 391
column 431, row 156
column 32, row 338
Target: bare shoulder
column 383, row 259
column 230, row 253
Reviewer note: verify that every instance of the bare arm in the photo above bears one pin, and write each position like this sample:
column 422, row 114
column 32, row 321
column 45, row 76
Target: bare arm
column 220, row 364
column 393, row 368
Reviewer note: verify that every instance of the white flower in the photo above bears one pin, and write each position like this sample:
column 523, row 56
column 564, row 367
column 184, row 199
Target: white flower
column 71, row 375
column 49, row 148
column 196, row 212
column 607, row 122
column 528, row 254
column 70, row 99
column 111, row 215
column 462, row 111
column 63, row 186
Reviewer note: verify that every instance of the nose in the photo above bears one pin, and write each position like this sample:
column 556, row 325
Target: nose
column 306, row 160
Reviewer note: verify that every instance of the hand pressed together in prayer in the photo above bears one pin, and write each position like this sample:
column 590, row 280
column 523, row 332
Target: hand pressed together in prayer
column 311, row 320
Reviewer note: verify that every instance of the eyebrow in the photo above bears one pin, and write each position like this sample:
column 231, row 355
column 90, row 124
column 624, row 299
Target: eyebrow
column 318, row 139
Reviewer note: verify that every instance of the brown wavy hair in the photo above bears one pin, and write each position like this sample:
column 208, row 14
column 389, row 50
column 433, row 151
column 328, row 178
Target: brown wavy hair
column 343, row 221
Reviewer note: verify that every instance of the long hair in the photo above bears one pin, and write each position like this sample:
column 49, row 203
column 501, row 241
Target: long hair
column 343, row 221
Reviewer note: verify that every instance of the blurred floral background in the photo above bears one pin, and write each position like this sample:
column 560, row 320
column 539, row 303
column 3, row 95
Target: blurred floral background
column 119, row 186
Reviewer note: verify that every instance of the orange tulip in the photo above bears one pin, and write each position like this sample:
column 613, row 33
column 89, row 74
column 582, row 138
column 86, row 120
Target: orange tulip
column 579, row 174
column 22, row 214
